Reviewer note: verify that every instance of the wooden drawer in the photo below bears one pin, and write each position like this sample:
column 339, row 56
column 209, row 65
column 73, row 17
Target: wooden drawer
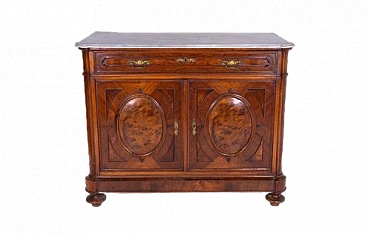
column 157, row 62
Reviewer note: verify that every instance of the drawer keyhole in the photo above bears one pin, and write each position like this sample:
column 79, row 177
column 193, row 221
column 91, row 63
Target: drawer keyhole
column 186, row 60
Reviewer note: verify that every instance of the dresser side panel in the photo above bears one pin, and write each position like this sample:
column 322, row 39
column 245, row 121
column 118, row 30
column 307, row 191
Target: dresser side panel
column 89, row 84
column 279, row 114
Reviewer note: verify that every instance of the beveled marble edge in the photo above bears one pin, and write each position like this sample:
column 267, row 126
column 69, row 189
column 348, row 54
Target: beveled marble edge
column 254, row 46
column 90, row 41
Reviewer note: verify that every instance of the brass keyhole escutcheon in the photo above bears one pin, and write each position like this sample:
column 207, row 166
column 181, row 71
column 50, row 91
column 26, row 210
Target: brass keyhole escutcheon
column 186, row 60
column 194, row 127
column 176, row 127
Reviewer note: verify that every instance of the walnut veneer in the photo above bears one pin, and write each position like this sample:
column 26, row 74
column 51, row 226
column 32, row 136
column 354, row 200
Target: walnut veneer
column 185, row 113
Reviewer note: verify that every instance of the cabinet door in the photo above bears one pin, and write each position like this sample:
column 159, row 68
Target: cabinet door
column 231, row 125
column 139, row 125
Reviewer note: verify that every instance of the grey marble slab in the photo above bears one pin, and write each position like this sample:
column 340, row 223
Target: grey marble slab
column 183, row 40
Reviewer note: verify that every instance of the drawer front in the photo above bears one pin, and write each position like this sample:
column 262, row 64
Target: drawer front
column 143, row 62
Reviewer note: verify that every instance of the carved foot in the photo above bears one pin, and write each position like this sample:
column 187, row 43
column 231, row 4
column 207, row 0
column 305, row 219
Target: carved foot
column 96, row 199
column 275, row 198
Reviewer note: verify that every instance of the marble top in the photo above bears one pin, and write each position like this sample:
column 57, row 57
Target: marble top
column 183, row 40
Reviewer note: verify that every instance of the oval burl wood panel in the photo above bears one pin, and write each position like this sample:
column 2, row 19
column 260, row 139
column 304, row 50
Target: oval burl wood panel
column 141, row 124
column 229, row 125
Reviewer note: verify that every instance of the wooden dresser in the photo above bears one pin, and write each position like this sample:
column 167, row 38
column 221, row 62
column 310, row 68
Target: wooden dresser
column 185, row 112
